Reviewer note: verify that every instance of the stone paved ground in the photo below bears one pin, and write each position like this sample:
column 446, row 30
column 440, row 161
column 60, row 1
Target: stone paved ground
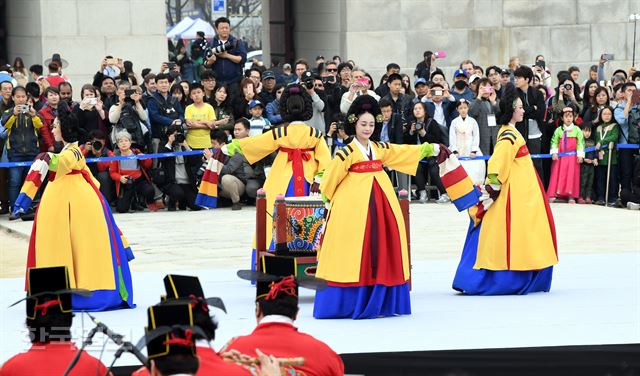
column 166, row 241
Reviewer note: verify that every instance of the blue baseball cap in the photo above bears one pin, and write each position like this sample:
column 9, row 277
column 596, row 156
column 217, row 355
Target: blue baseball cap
column 255, row 103
column 459, row 72
column 419, row 81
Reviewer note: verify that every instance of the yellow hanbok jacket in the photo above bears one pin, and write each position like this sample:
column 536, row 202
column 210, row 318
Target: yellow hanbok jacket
column 518, row 232
column 71, row 227
column 341, row 252
column 296, row 135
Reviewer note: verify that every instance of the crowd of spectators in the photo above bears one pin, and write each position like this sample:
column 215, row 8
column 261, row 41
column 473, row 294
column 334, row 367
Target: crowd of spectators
column 203, row 98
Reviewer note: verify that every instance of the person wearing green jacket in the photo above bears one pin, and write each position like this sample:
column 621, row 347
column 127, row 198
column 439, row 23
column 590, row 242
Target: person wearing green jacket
column 607, row 131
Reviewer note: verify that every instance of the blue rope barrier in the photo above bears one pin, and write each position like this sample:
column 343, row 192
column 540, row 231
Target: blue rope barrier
column 199, row 152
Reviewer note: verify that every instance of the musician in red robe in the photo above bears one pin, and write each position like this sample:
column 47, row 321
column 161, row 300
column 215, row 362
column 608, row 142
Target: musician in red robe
column 276, row 334
column 49, row 319
column 187, row 289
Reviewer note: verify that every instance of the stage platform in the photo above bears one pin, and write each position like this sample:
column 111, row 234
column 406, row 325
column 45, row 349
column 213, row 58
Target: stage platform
column 595, row 296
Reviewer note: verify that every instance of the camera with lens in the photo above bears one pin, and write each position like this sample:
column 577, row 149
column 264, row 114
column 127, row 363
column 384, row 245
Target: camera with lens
column 568, row 87
column 128, row 93
column 307, row 79
column 97, row 145
column 419, row 125
column 178, row 127
column 208, row 51
column 340, row 125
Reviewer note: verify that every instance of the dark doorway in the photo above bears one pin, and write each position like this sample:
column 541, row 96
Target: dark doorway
column 281, row 26
column 3, row 32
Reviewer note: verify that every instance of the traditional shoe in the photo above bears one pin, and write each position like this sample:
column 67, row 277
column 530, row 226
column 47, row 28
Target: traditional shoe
column 153, row 207
column 236, row 206
column 552, row 200
column 588, row 201
column 572, row 201
column 581, row 201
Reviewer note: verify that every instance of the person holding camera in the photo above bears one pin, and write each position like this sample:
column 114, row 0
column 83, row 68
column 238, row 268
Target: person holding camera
column 90, row 112
column 484, row 109
column 179, row 179
column 359, row 86
column 130, row 176
column 567, row 95
column 226, row 54
column 96, row 147
column 424, row 129
column 22, row 144
column 129, row 114
column 309, row 81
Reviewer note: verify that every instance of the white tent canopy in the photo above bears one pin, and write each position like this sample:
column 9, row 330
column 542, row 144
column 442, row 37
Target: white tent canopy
column 189, row 30
column 180, row 27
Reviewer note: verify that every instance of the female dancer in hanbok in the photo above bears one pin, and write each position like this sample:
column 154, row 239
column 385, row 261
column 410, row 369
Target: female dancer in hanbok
column 364, row 255
column 74, row 227
column 302, row 154
column 511, row 243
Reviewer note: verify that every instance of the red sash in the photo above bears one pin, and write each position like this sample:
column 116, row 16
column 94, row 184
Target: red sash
column 296, row 156
column 522, row 152
column 366, row 166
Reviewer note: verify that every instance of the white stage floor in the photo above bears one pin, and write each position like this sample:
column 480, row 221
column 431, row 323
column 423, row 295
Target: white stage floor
column 595, row 299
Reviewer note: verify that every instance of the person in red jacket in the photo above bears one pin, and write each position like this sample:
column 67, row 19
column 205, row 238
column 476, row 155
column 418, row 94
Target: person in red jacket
column 49, row 319
column 187, row 289
column 276, row 311
column 48, row 113
column 131, row 176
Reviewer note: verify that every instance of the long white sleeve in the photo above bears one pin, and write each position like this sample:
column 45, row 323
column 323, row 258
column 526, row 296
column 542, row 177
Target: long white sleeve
column 453, row 138
column 475, row 143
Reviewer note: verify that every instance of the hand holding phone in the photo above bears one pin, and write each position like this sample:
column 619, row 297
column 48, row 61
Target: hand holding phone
column 607, row 57
column 635, row 97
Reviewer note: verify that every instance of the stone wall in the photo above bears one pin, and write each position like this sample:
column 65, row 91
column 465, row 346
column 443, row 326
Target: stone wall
column 375, row 32
column 84, row 31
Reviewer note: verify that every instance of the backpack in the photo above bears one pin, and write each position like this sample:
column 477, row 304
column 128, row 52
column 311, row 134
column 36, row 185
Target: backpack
column 634, row 123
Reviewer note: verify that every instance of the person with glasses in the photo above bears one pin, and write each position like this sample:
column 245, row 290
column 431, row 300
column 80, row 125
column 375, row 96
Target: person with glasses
column 511, row 246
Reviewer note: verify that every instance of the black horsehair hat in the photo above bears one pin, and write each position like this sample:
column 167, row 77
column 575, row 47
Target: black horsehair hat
column 48, row 291
column 170, row 330
column 275, row 269
column 187, row 289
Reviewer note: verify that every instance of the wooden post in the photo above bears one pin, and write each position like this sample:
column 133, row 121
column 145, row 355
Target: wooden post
column 261, row 225
column 280, row 218
column 404, row 206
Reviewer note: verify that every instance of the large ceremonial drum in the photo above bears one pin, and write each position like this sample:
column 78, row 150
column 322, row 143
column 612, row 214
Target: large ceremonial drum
column 305, row 223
